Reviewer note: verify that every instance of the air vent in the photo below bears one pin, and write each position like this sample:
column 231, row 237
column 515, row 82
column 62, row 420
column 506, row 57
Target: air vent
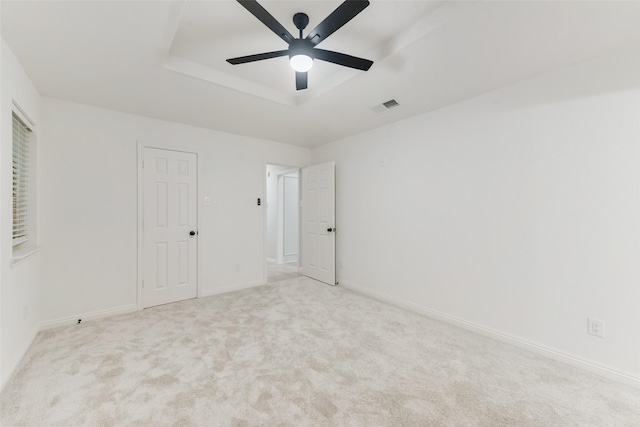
column 392, row 103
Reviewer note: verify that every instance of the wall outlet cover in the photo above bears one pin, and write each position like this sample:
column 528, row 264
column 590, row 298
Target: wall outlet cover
column 595, row 327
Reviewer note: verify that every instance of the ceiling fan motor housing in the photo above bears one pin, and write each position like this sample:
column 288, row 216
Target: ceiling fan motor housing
column 300, row 47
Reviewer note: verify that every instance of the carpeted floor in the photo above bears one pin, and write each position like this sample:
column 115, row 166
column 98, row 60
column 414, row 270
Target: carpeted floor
column 280, row 272
column 297, row 353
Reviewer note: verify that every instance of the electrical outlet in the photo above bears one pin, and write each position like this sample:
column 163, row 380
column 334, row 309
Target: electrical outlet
column 595, row 327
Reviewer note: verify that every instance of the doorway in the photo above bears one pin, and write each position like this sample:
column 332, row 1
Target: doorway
column 282, row 222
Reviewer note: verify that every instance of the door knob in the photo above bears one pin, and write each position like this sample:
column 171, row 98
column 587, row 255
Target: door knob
column 193, row 233
column 329, row 230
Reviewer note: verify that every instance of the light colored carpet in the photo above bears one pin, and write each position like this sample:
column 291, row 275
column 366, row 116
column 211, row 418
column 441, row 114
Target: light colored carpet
column 297, row 353
column 280, row 272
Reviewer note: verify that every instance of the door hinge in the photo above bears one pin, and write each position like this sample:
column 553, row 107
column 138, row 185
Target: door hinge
column 142, row 283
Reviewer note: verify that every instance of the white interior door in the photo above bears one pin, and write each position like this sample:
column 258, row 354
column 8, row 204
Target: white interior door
column 169, row 253
column 318, row 222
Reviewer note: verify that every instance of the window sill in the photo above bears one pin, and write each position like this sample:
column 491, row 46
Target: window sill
column 22, row 254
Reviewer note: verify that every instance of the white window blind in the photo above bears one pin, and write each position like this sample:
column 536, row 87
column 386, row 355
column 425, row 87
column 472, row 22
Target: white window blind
column 20, row 180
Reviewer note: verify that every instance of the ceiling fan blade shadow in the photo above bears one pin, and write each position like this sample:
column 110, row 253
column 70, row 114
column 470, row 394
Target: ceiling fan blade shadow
column 301, row 80
column 267, row 19
column 343, row 14
column 342, row 59
column 257, row 57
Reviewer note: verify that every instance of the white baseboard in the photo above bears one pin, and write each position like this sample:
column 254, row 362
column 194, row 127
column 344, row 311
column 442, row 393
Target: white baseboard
column 71, row 320
column 552, row 353
column 272, row 260
column 225, row 289
column 13, row 365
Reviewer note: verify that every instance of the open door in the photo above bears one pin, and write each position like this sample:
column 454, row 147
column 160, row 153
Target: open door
column 318, row 222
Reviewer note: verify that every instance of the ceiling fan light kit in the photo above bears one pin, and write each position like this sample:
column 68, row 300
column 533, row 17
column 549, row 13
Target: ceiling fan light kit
column 302, row 51
column 301, row 62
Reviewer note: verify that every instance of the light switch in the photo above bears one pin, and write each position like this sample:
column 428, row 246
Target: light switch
column 207, row 201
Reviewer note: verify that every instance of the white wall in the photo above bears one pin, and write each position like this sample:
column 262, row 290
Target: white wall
column 89, row 207
column 2, row 142
column 19, row 287
column 290, row 217
column 515, row 213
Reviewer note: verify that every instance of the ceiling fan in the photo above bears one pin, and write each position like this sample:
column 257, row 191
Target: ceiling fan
column 302, row 51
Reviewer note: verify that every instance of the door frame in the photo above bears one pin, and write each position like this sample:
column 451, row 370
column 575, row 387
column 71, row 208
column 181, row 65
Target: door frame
column 184, row 148
column 291, row 168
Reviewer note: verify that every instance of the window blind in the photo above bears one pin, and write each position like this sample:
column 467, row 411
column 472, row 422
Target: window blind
column 20, row 180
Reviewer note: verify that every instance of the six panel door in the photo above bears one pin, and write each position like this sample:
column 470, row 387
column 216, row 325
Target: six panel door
column 169, row 226
column 318, row 222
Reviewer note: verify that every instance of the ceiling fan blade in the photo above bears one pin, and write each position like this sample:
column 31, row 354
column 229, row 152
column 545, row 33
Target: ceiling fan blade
column 265, row 17
column 301, row 80
column 343, row 14
column 257, row 57
column 342, row 59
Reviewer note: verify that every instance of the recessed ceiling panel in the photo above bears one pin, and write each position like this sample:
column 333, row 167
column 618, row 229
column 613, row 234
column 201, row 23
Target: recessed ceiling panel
column 209, row 32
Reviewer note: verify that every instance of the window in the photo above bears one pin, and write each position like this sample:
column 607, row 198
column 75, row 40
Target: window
column 21, row 180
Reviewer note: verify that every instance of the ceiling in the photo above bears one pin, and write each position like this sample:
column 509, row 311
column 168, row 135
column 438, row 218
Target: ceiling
column 166, row 59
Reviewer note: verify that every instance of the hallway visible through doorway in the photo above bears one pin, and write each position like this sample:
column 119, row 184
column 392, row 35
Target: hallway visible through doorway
column 282, row 247
column 280, row 272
